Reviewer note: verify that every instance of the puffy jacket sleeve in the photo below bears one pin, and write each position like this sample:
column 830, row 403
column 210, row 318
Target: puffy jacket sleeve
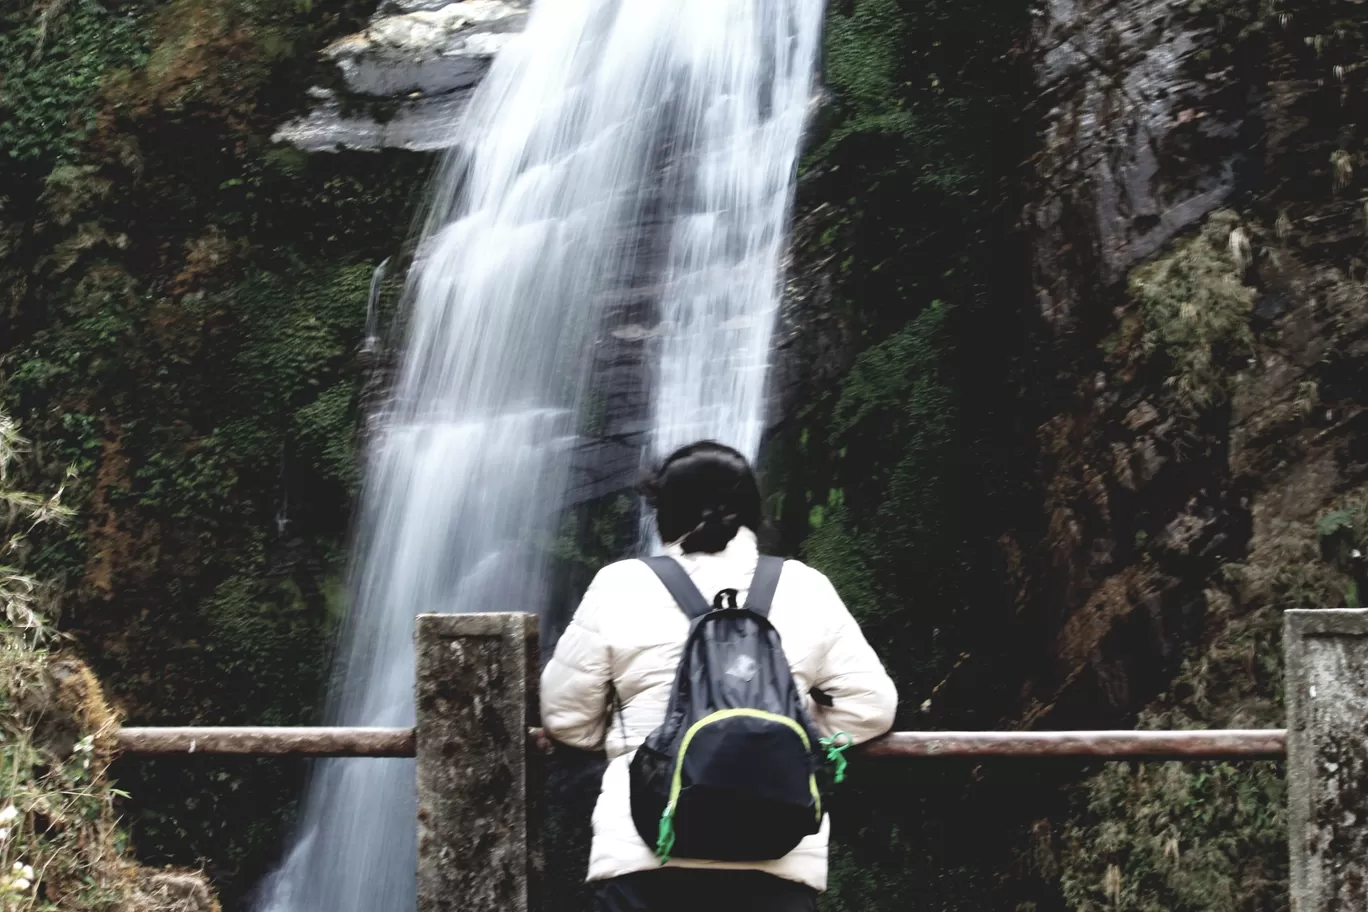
column 862, row 695
column 574, row 684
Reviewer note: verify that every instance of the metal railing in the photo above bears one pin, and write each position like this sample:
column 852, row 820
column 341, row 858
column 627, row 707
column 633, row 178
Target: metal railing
column 479, row 846
column 1261, row 743
column 265, row 742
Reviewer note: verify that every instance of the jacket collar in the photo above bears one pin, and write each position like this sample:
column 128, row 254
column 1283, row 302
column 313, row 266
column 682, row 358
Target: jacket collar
column 744, row 547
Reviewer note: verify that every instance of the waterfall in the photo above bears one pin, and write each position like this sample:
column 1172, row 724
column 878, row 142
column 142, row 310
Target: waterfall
column 618, row 150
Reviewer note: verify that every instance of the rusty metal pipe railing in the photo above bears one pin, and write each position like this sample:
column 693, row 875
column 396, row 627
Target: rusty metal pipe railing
column 265, row 741
column 400, row 742
column 1113, row 745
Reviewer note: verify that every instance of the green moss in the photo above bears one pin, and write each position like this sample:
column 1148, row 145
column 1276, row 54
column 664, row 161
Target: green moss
column 889, row 531
column 839, row 552
column 183, row 301
column 1192, row 837
column 924, row 105
column 93, row 329
column 60, row 846
column 297, row 328
column 595, row 534
column 264, row 637
column 1196, row 309
column 1343, row 538
column 922, row 125
column 225, row 445
column 864, row 62
column 914, row 85
column 52, row 66
column 325, row 431
column 1196, row 837
column 299, row 333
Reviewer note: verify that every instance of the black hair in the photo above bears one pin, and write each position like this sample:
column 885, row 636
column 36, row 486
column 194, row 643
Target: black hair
column 702, row 494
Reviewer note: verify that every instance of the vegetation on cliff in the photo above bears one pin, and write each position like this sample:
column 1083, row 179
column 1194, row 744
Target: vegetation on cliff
column 1099, row 532
column 898, row 209
column 183, row 303
column 60, row 846
column 1249, row 329
column 1192, row 453
column 883, row 476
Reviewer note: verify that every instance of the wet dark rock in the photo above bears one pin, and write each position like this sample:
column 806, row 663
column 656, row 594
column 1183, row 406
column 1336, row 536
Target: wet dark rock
column 1140, row 142
column 1155, row 115
column 813, row 345
column 1268, row 307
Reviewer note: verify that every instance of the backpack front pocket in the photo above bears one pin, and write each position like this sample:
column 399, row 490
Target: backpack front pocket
column 743, row 789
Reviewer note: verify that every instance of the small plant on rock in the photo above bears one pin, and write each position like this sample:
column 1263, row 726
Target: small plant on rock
column 1196, row 309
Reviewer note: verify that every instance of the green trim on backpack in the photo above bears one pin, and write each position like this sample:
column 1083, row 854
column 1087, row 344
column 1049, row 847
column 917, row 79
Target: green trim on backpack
column 835, row 754
column 666, row 840
column 666, row 837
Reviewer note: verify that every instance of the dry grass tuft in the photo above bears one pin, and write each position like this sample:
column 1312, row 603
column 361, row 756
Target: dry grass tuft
column 60, row 846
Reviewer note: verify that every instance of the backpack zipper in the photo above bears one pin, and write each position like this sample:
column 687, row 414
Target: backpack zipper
column 666, row 837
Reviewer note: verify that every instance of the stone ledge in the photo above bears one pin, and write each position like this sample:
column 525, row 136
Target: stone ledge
column 420, row 59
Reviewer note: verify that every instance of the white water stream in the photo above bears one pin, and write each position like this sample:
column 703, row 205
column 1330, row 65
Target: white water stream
column 616, row 145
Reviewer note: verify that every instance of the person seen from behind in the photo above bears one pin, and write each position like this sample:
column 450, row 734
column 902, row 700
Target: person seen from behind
column 723, row 686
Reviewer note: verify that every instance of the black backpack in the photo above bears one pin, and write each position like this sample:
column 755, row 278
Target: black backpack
column 735, row 772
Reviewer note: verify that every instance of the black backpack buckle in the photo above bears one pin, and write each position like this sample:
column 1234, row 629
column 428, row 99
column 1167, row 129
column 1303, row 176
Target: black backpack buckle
column 730, row 595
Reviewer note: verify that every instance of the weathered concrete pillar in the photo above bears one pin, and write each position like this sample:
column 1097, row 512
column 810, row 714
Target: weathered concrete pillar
column 1327, row 758
column 479, row 790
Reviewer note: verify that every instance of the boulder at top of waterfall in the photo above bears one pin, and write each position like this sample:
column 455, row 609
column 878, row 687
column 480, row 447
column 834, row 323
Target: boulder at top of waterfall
column 418, row 61
column 418, row 125
column 427, row 50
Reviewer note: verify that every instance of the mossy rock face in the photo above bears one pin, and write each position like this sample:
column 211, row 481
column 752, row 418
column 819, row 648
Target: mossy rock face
column 1197, row 310
column 183, row 306
column 1231, row 343
column 895, row 471
column 55, row 63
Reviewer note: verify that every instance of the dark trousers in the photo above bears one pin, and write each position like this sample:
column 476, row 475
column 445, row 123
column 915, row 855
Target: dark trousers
column 681, row 890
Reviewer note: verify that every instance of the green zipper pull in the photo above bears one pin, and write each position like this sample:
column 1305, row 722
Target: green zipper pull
column 836, row 746
column 666, row 839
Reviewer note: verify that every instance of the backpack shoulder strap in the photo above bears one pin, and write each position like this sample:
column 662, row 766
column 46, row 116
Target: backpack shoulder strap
column 763, row 584
column 682, row 589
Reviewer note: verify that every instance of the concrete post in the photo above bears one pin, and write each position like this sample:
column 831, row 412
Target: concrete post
column 1327, row 758
column 479, row 789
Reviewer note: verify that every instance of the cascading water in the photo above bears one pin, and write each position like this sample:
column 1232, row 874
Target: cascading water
column 747, row 98
column 619, row 150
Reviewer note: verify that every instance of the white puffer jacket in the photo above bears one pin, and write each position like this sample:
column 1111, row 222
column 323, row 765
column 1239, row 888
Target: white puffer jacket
column 628, row 632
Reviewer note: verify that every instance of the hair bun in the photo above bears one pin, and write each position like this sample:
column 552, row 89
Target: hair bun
column 702, row 495
column 717, row 527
